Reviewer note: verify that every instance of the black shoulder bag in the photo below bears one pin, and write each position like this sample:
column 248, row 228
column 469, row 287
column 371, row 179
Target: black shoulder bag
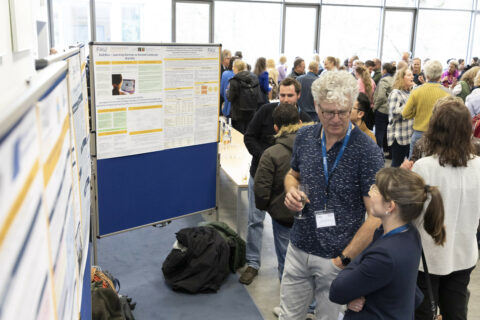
column 433, row 304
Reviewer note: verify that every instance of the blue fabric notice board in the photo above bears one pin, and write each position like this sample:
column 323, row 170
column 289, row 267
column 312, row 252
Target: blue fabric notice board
column 146, row 188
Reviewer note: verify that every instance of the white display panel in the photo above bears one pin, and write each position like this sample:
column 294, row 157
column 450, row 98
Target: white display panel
column 152, row 98
column 44, row 229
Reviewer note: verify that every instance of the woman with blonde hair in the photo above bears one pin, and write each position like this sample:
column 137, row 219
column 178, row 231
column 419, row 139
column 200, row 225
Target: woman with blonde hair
column 380, row 283
column 331, row 63
column 399, row 130
column 450, row 163
column 466, row 83
column 473, row 99
column 272, row 79
column 282, row 69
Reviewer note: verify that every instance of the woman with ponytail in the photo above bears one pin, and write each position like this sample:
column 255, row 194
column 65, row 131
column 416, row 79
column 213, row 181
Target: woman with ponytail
column 450, row 164
column 365, row 82
column 381, row 282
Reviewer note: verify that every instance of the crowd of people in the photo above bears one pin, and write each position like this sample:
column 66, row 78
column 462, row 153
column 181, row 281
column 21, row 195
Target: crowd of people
column 349, row 229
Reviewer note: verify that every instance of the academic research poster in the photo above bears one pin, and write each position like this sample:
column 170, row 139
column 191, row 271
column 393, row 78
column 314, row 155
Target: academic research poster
column 152, row 98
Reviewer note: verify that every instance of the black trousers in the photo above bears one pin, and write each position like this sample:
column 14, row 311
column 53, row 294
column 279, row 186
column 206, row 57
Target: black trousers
column 399, row 153
column 381, row 123
column 240, row 125
column 450, row 293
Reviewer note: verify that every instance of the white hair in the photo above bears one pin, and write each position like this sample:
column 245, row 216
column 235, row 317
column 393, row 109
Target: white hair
column 433, row 70
column 338, row 87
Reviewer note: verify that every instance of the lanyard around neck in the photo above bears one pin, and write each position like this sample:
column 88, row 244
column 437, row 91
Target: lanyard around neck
column 395, row 231
column 339, row 155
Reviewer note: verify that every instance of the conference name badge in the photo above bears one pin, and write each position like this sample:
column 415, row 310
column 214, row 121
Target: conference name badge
column 325, row 218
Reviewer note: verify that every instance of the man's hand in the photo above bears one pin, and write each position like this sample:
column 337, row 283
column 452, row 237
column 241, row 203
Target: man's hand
column 421, row 79
column 293, row 199
column 357, row 304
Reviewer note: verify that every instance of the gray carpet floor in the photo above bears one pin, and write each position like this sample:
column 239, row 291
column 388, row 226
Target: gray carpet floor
column 136, row 257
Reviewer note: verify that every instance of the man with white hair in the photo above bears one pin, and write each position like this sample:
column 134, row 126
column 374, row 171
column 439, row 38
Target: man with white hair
column 338, row 163
column 420, row 103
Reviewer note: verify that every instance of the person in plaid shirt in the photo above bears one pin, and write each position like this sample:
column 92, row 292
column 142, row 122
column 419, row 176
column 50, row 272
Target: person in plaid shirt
column 399, row 130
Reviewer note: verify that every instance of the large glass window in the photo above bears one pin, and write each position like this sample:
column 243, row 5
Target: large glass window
column 71, row 22
column 192, row 22
column 440, row 35
column 346, row 31
column 300, row 32
column 302, row 1
column 397, row 34
column 275, row 0
column 447, row 4
column 400, row 3
column 476, row 38
column 355, row 2
column 253, row 28
column 133, row 20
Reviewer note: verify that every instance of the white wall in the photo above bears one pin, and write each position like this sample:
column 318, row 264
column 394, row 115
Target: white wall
column 15, row 68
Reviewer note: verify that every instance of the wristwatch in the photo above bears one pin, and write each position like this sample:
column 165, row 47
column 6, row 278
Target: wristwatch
column 345, row 260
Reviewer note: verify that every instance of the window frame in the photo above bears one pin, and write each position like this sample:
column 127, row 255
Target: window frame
column 318, row 5
column 412, row 30
column 317, row 8
column 211, row 17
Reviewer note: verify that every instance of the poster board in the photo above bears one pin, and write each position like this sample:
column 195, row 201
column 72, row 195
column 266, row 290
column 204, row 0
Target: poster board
column 156, row 134
column 39, row 254
column 80, row 159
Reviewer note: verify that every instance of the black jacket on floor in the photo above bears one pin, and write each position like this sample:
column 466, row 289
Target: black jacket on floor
column 203, row 266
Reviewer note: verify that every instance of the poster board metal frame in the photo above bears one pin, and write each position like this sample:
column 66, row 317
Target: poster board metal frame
column 132, row 167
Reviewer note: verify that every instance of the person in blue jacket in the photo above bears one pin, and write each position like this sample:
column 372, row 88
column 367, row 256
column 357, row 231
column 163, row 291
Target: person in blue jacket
column 262, row 74
column 224, row 82
column 380, row 283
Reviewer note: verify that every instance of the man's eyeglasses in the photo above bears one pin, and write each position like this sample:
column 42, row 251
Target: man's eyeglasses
column 331, row 114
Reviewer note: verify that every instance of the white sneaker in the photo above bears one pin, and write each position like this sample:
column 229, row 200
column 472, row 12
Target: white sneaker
column 276, row 311
column 310, row 316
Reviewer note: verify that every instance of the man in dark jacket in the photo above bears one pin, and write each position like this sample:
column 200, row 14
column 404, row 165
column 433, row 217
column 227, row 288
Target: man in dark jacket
column 269, row 189
column 259, row 136
column 244, row 93
column 272, row 168
column 377, row 70
column 306, row 100
column 298, row 68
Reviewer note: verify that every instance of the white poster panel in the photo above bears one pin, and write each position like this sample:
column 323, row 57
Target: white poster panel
column 24, row 253
column 154, row 97
column 18, row 150
column 63, row 211
column 81, row 161
column 78, row 134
